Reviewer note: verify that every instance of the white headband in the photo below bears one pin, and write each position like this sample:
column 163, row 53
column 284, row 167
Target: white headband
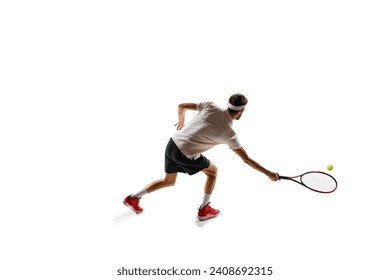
column 236, row 108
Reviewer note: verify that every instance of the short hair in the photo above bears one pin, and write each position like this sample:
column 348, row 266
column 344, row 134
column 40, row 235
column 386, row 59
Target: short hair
column 237, row 99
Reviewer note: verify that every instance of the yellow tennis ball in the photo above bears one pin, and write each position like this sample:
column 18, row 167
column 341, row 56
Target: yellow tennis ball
column 330, row 167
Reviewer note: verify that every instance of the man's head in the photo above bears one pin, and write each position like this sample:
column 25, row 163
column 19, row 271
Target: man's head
column 236, row 105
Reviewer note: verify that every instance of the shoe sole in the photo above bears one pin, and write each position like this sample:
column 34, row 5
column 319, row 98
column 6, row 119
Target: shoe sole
column 207, row 217
column 131, row 207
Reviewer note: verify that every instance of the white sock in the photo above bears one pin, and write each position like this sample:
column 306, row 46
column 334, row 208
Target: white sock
column 206, row 200
column 141, row 193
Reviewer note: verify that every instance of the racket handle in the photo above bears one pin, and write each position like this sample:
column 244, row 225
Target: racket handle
column 283, row 177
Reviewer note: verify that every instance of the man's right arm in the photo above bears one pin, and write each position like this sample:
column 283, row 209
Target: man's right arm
column 252, row 163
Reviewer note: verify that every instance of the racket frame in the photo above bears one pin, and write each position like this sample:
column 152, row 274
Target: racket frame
column 293, row 178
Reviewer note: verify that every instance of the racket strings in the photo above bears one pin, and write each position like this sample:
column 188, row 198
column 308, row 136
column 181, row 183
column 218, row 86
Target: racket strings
column 318, row 181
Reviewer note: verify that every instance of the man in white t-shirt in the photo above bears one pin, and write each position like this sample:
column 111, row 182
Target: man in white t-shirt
column 210, row 127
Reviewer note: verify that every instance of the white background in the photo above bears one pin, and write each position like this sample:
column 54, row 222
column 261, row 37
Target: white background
column 89, row 94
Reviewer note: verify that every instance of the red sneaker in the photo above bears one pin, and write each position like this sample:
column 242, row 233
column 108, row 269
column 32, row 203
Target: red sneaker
column 207, row 212
column 133, row 204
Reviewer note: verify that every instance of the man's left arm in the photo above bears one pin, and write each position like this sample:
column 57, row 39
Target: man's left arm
column 181, row 113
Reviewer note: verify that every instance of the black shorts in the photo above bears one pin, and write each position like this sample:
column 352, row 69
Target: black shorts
column 176, row 161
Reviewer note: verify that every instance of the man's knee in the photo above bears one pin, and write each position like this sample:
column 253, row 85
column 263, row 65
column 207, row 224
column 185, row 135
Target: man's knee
column 170, row 180
column 215, row 171
column 211, row 171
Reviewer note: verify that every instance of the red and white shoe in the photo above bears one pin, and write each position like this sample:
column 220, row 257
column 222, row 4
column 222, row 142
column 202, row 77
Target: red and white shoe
column 207, row 212
column 133, row 204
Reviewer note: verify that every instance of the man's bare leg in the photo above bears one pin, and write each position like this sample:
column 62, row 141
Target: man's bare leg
column 206, row 211
column 132, row 201
column 211, row 173
column 168, row 181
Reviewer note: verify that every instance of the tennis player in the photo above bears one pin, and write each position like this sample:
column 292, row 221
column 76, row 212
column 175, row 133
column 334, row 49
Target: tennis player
column 210, row 127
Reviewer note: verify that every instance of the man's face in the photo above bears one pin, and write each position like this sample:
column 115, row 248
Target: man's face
column 240, row 114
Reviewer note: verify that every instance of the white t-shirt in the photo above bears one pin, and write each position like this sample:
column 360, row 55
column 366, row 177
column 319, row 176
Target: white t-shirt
column 210, row 127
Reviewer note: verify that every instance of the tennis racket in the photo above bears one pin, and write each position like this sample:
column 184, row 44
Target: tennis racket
column 315, row 180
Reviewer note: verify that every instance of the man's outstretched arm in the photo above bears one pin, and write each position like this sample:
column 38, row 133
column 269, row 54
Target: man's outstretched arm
column 252, row 163
column 181, row 113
